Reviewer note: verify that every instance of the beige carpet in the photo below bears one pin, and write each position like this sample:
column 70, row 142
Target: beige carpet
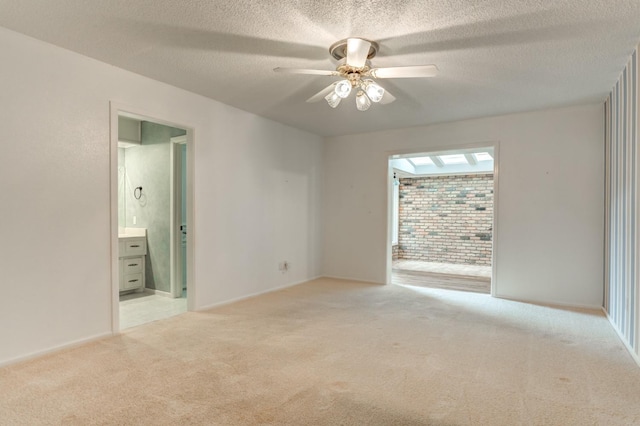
column 340, row 353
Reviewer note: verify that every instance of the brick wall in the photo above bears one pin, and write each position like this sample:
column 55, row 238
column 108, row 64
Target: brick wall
column 446, row 219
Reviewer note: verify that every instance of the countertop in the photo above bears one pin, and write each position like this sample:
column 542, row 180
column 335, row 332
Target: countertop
column 132, row 233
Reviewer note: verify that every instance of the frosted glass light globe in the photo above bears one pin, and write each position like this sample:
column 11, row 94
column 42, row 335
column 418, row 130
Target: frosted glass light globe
column 362, row 101
column 333, row 99
column 343, row 88
column 374, row 92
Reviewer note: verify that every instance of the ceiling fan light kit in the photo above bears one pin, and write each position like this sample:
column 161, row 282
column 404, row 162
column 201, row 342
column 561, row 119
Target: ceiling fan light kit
column 362, row 101
column 373, row 90
column 333, row 99
column 354, row 68
column 343, row 88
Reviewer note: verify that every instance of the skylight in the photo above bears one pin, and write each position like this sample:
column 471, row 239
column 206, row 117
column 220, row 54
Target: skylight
column 483, row 156
column 421, row 161
column 462, row 161
column 453, row 159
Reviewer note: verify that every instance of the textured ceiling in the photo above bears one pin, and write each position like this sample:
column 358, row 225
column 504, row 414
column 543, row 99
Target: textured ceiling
column 494, row 56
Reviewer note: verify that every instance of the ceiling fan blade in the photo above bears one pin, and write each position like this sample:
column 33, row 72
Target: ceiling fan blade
column 321, row 94
column 405, row 72
column 387, row 98
column 357, row 52
column 304, row 71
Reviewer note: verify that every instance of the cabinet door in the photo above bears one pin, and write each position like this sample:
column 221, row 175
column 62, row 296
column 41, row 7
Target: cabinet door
column 132, row 281
column 132, row 265
column 135, row 247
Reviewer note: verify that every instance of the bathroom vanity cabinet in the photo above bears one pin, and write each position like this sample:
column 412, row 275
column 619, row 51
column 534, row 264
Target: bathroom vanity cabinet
column 132, row 252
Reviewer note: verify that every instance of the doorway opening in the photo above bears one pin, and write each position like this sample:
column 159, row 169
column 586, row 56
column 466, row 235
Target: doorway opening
column 442, row 219
column 152, row 253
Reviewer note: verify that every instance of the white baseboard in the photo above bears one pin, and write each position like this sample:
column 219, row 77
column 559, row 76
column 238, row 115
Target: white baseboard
column 551, row 303
column 53, row 349
column 633, row 354
column 158, row 292
column 249, row 296
column 333, row 277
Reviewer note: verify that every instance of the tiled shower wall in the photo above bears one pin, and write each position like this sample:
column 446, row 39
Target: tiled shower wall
column 446, row 219
column 622, row 265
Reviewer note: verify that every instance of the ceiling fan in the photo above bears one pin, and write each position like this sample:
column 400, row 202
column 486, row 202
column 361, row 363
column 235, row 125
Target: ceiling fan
column 357, row 74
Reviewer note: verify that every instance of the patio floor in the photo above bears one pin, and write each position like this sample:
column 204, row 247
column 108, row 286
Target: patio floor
column 448, row 276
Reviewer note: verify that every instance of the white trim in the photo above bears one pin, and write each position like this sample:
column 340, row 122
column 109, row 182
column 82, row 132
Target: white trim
column 494, row 227
column 431, row 152
column 551, row 303
column 158, row 292
column 636, row 142
column 249, row 296
column 607, row 203
column 623, row 339
column 53, row 349
column 113, row 202
column 179, row 139
column 439, row 150
column 358, row 280
column 395, row 211
column 115, row 109
column 175, row 215
column 390, row 224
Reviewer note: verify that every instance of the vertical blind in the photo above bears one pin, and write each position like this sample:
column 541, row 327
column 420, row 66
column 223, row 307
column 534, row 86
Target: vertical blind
column 622, row 265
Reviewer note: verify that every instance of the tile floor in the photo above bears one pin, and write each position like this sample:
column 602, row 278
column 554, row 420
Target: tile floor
column 443, row 268
column 141, row 308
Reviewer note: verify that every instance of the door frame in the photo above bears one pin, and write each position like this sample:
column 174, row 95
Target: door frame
column 116, row 109
column 175, row 215
column 426, row 150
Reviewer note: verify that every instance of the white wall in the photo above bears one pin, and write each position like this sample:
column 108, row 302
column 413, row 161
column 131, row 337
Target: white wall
column 257, row 195
column 550, row 200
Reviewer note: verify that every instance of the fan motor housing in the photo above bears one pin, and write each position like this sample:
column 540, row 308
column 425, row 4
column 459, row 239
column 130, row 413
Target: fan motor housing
column 339, row 49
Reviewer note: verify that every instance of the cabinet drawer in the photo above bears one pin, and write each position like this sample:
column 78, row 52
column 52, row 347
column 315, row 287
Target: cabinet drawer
column 132, row 281
column 132, row 265
column 134, row 247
